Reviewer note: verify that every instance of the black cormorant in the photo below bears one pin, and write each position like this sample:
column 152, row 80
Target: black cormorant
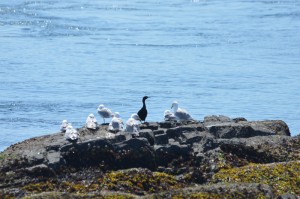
column 143, row 111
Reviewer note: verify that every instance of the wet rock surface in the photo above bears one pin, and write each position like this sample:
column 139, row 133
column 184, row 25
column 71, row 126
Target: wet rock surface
column 184, row 154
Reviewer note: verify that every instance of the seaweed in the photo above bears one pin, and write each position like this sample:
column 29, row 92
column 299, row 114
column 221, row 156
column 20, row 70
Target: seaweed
column 282, row 177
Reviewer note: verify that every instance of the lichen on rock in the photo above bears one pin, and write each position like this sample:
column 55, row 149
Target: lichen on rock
column 283, row 177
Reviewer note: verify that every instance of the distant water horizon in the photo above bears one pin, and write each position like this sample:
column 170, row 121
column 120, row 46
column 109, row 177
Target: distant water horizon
column 60, row 60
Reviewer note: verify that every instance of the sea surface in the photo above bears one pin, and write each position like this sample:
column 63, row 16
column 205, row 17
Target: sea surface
column 61, row 59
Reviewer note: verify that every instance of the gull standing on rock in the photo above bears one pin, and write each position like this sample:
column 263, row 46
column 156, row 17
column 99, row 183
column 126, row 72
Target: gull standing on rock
column 91, row 122
column 179, row 113
column 132, row 124
column 71, row 133
column 143, row 111
column 169, row 116
column 64, row 125
column 116, row 123
column 104, row 112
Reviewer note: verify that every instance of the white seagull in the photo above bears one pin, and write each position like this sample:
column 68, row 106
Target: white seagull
column 132, row 124
column 71, row 133
column 169, row 116
column 64, row 125
column 116, row 123
column 91, row 122
column 179, row 113
column 104, row 112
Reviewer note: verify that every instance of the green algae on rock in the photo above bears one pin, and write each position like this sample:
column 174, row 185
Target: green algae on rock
column 139, row 181
column 218, row 191
column 282, row 177
column 104, row 195
column 136, row 181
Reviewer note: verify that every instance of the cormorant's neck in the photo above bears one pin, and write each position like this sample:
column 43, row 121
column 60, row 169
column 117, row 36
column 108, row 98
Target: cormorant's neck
column 144, row 103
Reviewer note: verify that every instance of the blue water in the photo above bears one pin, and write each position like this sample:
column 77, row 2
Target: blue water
column 61, row 59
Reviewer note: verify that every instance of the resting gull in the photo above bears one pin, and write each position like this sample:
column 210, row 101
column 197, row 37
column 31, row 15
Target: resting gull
column 71, row 133
column 179, row 113
column 104, row 112
column 132, row 124
column 64, row 125
column 116, row 123
column 91, row 122
column 169, row 116
column 143, row 111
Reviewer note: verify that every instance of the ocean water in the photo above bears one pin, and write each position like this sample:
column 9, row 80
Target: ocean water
column 61, row 59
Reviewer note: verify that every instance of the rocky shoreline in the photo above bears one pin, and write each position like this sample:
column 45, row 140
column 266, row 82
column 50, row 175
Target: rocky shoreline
column 219, row 157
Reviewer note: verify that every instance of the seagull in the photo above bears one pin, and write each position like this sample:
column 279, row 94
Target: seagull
column 91, row 122
column 143, row 111
column 104, row 112
column 71, row 133
column 169, row 116
column 132, row 124
column 64, row 125
column 179, row 113
column 116, row 123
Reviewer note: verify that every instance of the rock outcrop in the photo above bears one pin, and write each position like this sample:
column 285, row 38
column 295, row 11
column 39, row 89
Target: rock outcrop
column 175, row 154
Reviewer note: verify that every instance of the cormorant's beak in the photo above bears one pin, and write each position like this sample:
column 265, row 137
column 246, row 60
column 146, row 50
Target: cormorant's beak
column 172, row 106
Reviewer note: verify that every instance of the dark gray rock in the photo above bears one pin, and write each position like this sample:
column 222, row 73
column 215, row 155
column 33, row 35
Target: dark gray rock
column 186, row 134
column 187, row 129
column 167, row 153
column 192, row 137
column 201, row 144
column 134, row 153
column 262, row 149
column 89, row 153
column 118, row 138
column 34, row 157
column 200, row 127
column 178, row 131
column 234, row 130
column 239, row 119
column 161, row 139
column 288, row 196
column 118, row 155
column 209, row 143
column 158, row 132
column 248, row 129
column 173, row 133
column 216, row 119
column 277, row 126
column 54, row 159
column 148, row 134
column 168, row 124
column 149, row 125
column 53, row 147
column 39, row 170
